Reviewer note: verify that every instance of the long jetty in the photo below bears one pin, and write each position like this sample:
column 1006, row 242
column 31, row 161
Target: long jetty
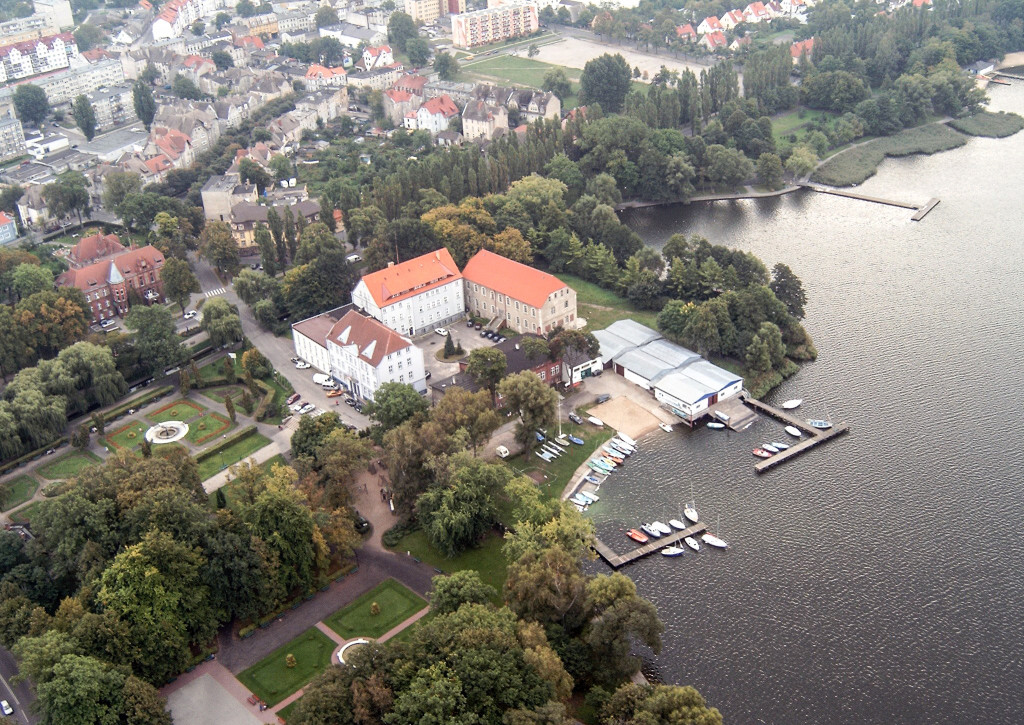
column 921, row 209
column 617, row 560
column 815, row 436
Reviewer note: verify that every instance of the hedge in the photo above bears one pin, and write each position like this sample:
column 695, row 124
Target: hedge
column 396, row 533
column 136, row 403
column 268, row 398
column 230, row 440
column 33, row 455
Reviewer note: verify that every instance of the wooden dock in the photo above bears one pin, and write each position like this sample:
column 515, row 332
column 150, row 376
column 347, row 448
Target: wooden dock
column 923, row 211
column 676, row 537
column 1000, row 73
column 861, row 197
column 815, row 436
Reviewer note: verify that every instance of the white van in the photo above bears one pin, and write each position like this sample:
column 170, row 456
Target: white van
column 353, row 258
column 321, row 378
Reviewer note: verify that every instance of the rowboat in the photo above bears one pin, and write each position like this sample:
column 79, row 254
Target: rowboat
column 637, row 536
column 770, row 448
column 592, row 479
column 794, row 431
column 692, row 543
column 665, row 427
column 791, row 404
column 712, row 540
column 761, row 453
column 592, row 497
column 599, row 466
column 672, row 551
column 627, row 439
column 621, row 444
column 577, row 441
column 715, row 425
column 650, row 531
column 676, row 524
column 562, row 441
column 819, row 424
column 780, row 446
column 594, row 420
column 661, row 528
column 540, row 437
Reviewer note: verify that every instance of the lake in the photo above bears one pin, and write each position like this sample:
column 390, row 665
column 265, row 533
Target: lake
column 879, row 578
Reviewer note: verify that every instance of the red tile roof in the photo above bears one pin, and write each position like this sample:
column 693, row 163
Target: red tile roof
column 158, row 164
column 715, row 40
column 5, row 220
column 513, row 279
column 99, row 274
column 253, row 40
column 801, row 47
column 441, row 104
column 401, row 281
column 29, row 46
column 397, row 96
column 373, row 340
column 713, row 23
column 686, row 31
column 89, row 249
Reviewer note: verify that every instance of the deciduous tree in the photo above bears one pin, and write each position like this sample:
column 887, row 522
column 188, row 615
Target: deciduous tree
column 145, row 104
column 179, row 282
column 487, row 365
column 395, row 403
column 31, row 104
column 535, row 402
column 219, row 247
column 605, row 80
column 221, row 321
column 155, row 337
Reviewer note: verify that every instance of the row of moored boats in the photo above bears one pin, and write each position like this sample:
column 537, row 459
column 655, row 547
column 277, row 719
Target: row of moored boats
column 549, row 450
column 655, row 530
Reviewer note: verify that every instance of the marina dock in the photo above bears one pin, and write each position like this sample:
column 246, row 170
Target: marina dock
column 921, row 210
column 676, row 537
column 815, row 436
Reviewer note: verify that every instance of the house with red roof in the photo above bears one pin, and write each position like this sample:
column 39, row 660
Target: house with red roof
column 415, row 296
column 320, row 76
column 714, row 41
column 801, row 48
column 93, row 248
column 517, row 296
column 172, row 144
column 358, row 351
column 709, row 24
column 687, row 33
column 757, row 13
column 411, row 83
column 108, row 282
column 434, row 115
column 377, row 57
column 399, row 103
column 731, row 19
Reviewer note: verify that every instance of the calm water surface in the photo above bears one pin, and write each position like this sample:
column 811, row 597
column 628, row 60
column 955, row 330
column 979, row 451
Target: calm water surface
column 879, row 579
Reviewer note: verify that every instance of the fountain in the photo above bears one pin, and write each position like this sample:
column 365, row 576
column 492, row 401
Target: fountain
column 170, row 431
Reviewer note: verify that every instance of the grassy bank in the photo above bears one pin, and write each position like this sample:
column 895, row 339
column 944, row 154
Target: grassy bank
column 993, row 125
column 485, row 558
column 860, row 163
column 601, row 307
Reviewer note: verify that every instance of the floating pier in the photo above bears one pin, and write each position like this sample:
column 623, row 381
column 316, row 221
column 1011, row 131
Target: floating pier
column 816, row 436
column 921, row 210
column 999, row 73
column 617, row 560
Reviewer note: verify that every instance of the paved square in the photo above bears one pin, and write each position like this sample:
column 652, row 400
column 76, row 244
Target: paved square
column 204, row 701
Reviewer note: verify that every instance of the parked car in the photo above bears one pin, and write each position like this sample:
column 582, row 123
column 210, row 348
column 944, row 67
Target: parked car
column 108, row 323
column 191, row 315
column 307, row 408
column 350, row 400
column 292, row 398
column 427, row 376
column 501, row 339
column 358, row 407
column 575, row 419
column 483, row 333
column 361, row 524
column 302, row 365
column 334, row 393
column 441, row 331
column 502, row 452
column 6, row 707
column 602, row 398
column 477, row 326
column 469, row 323
column 297, row 407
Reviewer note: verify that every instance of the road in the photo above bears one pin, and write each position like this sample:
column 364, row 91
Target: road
column 19, row 696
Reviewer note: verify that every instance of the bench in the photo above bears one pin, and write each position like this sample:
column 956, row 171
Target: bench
column 253, row 700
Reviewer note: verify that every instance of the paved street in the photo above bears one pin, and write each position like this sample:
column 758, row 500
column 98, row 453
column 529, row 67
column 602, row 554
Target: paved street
column 19, row 696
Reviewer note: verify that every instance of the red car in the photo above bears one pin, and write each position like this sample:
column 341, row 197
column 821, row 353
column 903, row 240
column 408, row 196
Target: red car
column 292, row 398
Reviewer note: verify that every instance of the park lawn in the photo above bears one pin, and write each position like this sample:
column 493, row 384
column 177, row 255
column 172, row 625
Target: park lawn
column 285, row 712
column 397, row 603
column 272, row 680
column 26, row 514
column 790, row 122
column 486, row 559
column 232, row 489
column 514, row 69
column 19, row 490
column 208, row 427
column 601, row 307
column 221, row 392
column 68, row 465
column 237, row 451
column 122, row 438
column 178, row 410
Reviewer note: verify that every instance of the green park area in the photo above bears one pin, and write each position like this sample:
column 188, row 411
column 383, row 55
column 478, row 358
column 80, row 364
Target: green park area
column 233, row 492
column 207, row 428
column 232, row 454
column 601, row 307
column 17, row 491
column 395, row 604
column 68, row 465
column 516, row 70
column 486, row 558
column 178, row 410
column 26, row 514
column 272, row 680
column 126, row 437
column 222, row 392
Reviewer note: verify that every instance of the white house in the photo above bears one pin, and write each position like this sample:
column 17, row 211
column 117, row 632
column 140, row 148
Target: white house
column 757, row 13
column 731, row 19
column 415, row 296
column 709, row 24
column 377, row 57
column 434, row 115
column 358, row 351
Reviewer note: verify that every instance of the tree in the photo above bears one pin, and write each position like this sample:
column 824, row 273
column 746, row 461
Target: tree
column 87, row 690
column 155, row 337
column 179, row 282
column 618, row 617
column 557, row 82
column 198, row 27
column 418, row 51
column 228, row 366
column 450, row 592
column 221, row 321
column 445, row 65
column 802, row 161
column 229, row 406
column 461, row 410
column 184, row 382
column 222, row 59
column 789, row 289
column 245, row 8
column 395, row 403
column 769, row 170
column 605, row 80
column 325, row 16
column 68, row 194
column 268, row 252
column 27, row 279
column 487, row 366
column 221, row 19
column 456, row 515
column 88, row 36
column 400, row 29
column 219, row 247
column 256, row 364
column 281, row 517
column 184, row 87
column 145, row 104
column 254, row 286
column 533, row 50
column 31, row 104
column 634, row 703
column 535, row 402
column 117, row 185
column 251, row 172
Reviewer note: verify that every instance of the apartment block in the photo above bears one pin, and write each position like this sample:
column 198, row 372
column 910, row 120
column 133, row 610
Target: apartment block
column 481, row 27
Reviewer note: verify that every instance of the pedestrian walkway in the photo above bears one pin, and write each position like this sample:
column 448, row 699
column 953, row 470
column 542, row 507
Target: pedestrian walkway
column 215, row 292
column 191, row 685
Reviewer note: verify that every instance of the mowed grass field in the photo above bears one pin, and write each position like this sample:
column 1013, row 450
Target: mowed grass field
column 396, row 602
column 68, row 465
column 515, row 70
column 18, row 490
column 272, row 680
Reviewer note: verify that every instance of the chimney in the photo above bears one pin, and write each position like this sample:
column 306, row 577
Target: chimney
column 391, row 264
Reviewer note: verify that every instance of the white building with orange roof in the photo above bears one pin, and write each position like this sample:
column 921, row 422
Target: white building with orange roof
column 434, row 115
column 416, row 296
column 377, row 57
column 319, row 76
column 731, row 19
column 709, row 24
column 757, row 13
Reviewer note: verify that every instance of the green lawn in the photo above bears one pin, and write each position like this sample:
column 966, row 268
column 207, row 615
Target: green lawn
column 178, row 410
column 397, row 604
column 486, row 559
column 237, row 451
column 220, row 393
column 232, row 490
column 285, row 712
column 515, row 69
column 208, row 427
column 68, row 465
column 25, row 515
column 601, row 307
column 791, row 122
column 19, row 490
column 126, row 437
column 272, row 680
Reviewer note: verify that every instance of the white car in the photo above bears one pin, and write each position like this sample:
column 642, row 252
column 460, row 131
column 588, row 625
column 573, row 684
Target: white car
column 298, row 406
column 6, row 707
column 502, row 452
column 307, row 408
column 441, row 331
column 302, row 365
column 191, row 315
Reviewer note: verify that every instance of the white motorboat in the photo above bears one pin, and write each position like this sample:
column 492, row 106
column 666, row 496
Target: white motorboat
column 593, row 497
column 715, row 425
column 661, row 528
column 676, row 524
column 780, row 446
column 627, row 439
column 665, row 427
column 650, row 531
column 692, row 543
column 672, row 551
column 579, row 500
column 769, row 447
column 791, row 404
column 794, row 431
column 712, row 540
column 690, row 513
column 594, row 420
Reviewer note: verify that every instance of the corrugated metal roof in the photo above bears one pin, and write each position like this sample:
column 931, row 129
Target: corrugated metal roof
column 682, row 387
column 633, row 332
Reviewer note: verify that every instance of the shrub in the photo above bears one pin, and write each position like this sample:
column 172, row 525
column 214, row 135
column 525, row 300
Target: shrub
column 396, row 533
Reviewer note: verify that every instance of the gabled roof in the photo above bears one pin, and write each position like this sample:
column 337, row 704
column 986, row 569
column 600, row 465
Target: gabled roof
column 735, row 15
column 373, row 340
column 716, row 39
column 159, row 164
column 757, row 10
column 5, row 220
column 28, row 47
column 401, row 281
column 398, row 96
column 686, row 31
column 443, row 105
column 97, row 246
column 512, row 279
column 112, row 270
column 801, row 47
column 712, row 22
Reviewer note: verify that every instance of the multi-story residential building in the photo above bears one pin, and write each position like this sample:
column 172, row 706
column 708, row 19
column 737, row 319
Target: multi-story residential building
column 491, row 25
column 481, row 120
column 328, row 103
column 107, row 282
column 434, row 115
column 413, row 297
column 57, row 12
column 710, row 24
column 352, row 35
column 524, row 299
column 113, row 106
column 64, row 86
column 427, row 11
column 8, row 229
column 246, row 216
column 377, row 79
column 12, row 139
column 195, row 119
column 536, row 104
column 377, row 57
column 221, row 193
column 358, row 351
column 399, row 103
column 178, row 15
column 42, row 55
column 319, row 76
column 32, row 206
column 296, row 21
column 30, row 28
column 258, row 25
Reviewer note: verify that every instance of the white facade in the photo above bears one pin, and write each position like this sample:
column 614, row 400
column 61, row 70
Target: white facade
column 480, row 27
column 32, row 57
column 350, row 366
column 313, row 352
column 417, row 314
column 64, row 86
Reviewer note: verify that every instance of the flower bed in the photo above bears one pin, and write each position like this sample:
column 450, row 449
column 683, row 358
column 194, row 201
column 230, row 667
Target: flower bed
column 178, row 410
column 207, row 428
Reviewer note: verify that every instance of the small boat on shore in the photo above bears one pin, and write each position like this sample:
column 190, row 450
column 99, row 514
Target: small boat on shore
column 562, row 441
column 540, row 437
column 580, row 500
column 594, row 420
column 577, row 441
column 715, row 425
column 622, row 445
column 770, row 448
column 627, row 439
column 676, row 524
column 780, row 446
column 609, row 462
column 592, row 479
column 665, row 427
column 762, row 453
column 819, row 424
column 690, row 512
column 672, row 551
column 637, row 536
column 692, row 543
column 661, row 528
column 593, row 497
column 596, row 465
column 712, row 540
column 650, row 531
column 792, row 404
column 794, row 431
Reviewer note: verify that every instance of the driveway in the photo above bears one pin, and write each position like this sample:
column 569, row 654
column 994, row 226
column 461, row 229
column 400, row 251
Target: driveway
column 431, row 343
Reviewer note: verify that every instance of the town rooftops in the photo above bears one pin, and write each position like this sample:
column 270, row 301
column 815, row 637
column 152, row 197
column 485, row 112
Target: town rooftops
column 5, row 220
column 318, row 327
column 373, row 341
column 112, row 270
column 443, row 105
column 27, row 47
column 401, row 281
column 89, row 249
column 512, row 279
column 516, row 361
column 802, row 47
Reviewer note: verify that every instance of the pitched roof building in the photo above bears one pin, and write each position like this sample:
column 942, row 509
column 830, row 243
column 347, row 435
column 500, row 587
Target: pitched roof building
column 93, row 248
column 108, row 282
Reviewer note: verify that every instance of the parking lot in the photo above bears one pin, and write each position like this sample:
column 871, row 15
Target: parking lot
column 431, row 343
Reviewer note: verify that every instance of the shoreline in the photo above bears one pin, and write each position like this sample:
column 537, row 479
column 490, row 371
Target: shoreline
column 748, row 194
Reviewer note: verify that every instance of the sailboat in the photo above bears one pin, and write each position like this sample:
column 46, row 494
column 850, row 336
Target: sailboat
column 712, row 540
column 689, row 510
